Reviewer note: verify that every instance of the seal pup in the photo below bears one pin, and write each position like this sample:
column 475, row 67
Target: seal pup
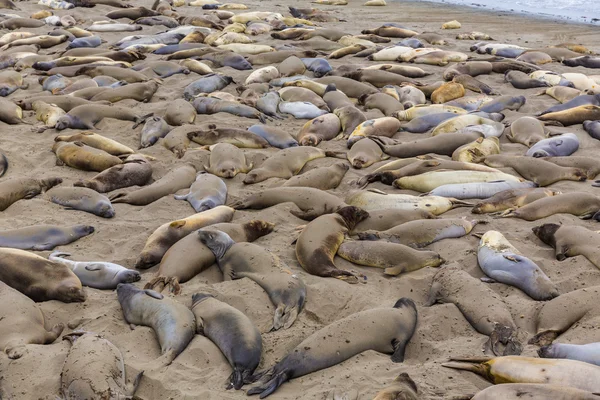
column 365, row 153
column 275, row 136
column 180, row 112
column 534, row 169
column 482, row 307
column 386, row 330
column 43, row 237
column 381, row 220
column 227, row 160
column 570, row 241
column 234, row 334
column 38, row 278
column 98, row 142
column 102, row 373
column 592, row 128
column 556, row 146
column 247, row 260
column 581, row 204
column 173, row 323
column 208, row 191
column 22, row 323
column 573, row 116
column 3, row 164
column 135, row 171
column 97, row 274
column 502, row 262
column 376, row 200
column 320, row 240
column 83, row 199
column 533, row 391
column 155, row 128
column 323, row 178
column 15, row 189
column 87, row 116
column 511, row 199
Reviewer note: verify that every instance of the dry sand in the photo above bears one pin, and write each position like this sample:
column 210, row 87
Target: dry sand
column 200, row 371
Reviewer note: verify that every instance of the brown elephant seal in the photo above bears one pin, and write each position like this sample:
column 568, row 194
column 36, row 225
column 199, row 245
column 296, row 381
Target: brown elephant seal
column 481, row 306
column 302, row 94
column 542, row 172
column 386, row 126
column 234, row 334
column 177, row 179
column 421, row 233
column 573, row 116
column 335, row 99
column 581, row 204
column 376, row 77
column 570, row 241
column 319, row 242
column 521, row 80
column 167, row 234
column 350, row 87
column 248, row 260
column 310, row 201
column 38, row 278
column 141, row 92
column 239, row 137
column 286, row 163
column 561, row 313
column 323, row 178
column 10, row 112
column 386, row 330
column 475, row 85
column 402, row 388
column 471, row 68
column 227, row 160
column 79, row 156
column 382, row 102
column 511, row 199
column 394, row 258
column 173, row 323
column 103, row 372
column 384, row 219
column 444, row 144
column 324, row 127
column 65, row 102
column 291, row 66
column 188, row 257
column 133, row 172
column 533, row 391
column 97, row 141
column 87, row 116
column 350, row 117
column 447, row 92
column 180, row 112
column 527, row 131
column 121, row 74
column 22, row 323
column 15, row 189
column 590, row 165
column 365, row 153
column 43, row 237
column 83, row 199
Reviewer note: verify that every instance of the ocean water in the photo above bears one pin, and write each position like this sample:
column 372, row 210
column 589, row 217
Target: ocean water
column 587, row 11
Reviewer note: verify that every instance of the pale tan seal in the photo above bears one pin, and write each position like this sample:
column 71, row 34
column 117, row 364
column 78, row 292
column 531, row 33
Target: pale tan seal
column 87, row 116
column 533, row 391
column 581, row 204
column 570, row 241
column 15, row 189
column 180, row 112
column 38, row 278
column 324, row 127
column 542, row 172
column 97, row 141
column 227, row 160
column 402, row 388
column 511, row 199
column 365, row 153
column 323, row 178
column 133, row 172
column 383, row 219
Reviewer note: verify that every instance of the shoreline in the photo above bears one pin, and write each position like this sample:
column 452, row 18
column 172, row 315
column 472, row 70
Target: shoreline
column 510, row 11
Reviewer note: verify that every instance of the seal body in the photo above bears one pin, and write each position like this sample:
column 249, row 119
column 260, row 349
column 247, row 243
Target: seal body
column 83, row 199
column 323, row 178
column 276, row 137
column 386, row 330
column 15, row 189
column 533, row 391
column 208, row 191
column 510, row 199
column 233, row 333
column 284, row 164
column 86, row 158
column 43, row 237
column 97, row 274
column 502, row 262
column 556, row 146
column 570, row 241
column 173, row 323
column 136, row 172
column 581, row 204
column 226, row 161
column 589, row 353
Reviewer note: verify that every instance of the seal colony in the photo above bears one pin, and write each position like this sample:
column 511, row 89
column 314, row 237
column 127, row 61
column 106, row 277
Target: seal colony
column 221, row 200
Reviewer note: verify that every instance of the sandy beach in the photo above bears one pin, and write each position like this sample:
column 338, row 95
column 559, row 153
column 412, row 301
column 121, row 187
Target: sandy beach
column 201, row 370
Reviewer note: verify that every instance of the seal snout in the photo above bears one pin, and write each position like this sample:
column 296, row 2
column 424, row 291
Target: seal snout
column 545, row 351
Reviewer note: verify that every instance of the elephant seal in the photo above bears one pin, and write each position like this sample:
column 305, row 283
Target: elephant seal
column 233, row 333
column 285, row 163
column 520, row 80
column 188, row 256
column 386, row 126
column 139, row 91
column 583, row 61
column 276, row 137
column 15, row 189
column 511, row 199
column 386, row 330
column 365, row 153
column 503, row 263
column 542, row 172
column 350, row 117
column 581, row 100
column 87, row 116
column 590, row 165
column 133, row 172
column 23, row 323
column 394, row 258
column 43, row 237
column 481, row 306
column 581, row 204
column 519, row 369
column 169, row 233
column 208, row 191
column 377, row 200
column 207, row 84
column 556, row 146
column 573, row 116
column 476, row 151
column 238, row 137
column 310, row 201
column 83, row 199
column 444, row 144
column 382, row 102
column 429, row 181
column 3, row 164
column 319, row 242
column 38, row 278
column 173, row 323
column 323, row 178
column 381, row 220
column 533, row 391
column 98, row 142
column 447, row 92
column 592, row 128
column 324, row 127
column 103, row 372
column 97, row 274
column 10, row 112
column 180, row 178
column 411, row 96
column 180, row 112
column 570, row 241
column 226, row 161
column 589, row 353
column 478, row 190
column 248, row 260
column 350, row 87
column 421, row 233
column 527, row 131
column 403, row 388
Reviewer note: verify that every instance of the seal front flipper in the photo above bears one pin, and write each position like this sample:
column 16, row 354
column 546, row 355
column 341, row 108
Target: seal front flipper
column 270, row 386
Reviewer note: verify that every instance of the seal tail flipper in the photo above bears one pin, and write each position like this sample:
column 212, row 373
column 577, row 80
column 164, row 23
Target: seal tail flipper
column 181, row 196
column 236, row 379
column 269, row 387
column 56, row 254
column 290, row 317
column 119, row 197
column 459, row 203
column 54, row 333
column 466, row 366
